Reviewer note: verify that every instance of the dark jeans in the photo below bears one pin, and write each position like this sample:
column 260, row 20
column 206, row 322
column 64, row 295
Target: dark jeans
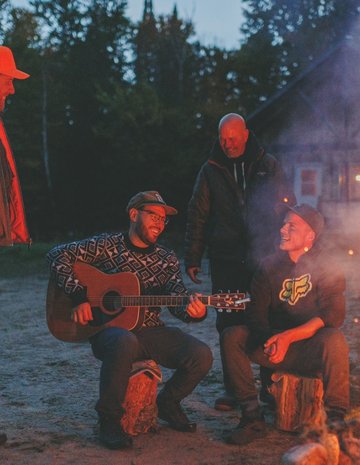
column 118, row 348
column 326, row 353
column 230, row 276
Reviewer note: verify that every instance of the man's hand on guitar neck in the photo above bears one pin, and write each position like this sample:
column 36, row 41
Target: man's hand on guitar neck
column 196, row 309
column 82, row 313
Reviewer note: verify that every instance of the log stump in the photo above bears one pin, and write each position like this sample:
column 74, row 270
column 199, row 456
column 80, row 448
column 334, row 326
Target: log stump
column 299, row 401
column 140, row 400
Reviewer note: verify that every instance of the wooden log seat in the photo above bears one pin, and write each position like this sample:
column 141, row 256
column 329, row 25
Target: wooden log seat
column 299, row 401
column 140, row 400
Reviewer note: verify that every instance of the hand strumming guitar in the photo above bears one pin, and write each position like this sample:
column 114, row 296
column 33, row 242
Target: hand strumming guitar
column 82, row 313
column 196, row 309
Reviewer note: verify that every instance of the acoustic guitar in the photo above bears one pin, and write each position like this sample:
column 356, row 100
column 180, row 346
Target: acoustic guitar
column 115, row 300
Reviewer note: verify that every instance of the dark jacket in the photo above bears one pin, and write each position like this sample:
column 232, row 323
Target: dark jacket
column 236, row 220
column 285, row 294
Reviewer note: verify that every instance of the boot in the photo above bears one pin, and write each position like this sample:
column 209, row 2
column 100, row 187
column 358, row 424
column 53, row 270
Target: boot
column 112, row 434
column 247, row 431
column 226, row 403
column 251, row 427
column 170, row 411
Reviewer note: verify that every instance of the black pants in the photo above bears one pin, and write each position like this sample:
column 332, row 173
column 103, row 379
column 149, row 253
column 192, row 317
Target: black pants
column 230, row 276
column 325, row 353
column 118, row 348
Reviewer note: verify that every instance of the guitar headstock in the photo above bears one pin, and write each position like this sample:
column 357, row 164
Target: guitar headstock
column 229, row 301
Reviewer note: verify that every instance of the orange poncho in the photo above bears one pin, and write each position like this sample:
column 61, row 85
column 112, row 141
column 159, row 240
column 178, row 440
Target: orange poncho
column 13, row 228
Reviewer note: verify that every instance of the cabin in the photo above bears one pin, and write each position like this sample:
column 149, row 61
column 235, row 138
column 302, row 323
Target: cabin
column 312, row 126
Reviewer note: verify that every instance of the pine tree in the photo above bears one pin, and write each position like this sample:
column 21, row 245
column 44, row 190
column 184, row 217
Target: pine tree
column 146, row 47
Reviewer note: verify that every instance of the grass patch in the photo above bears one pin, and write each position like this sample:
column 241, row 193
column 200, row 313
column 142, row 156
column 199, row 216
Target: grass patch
column 20, row 260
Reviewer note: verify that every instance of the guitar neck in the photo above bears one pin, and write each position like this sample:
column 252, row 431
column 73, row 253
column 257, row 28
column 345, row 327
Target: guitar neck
column 159, row 300
column 230, row 301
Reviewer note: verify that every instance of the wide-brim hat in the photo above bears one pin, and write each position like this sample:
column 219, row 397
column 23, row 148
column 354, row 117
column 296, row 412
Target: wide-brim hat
column 150, row 198
column 8, row 66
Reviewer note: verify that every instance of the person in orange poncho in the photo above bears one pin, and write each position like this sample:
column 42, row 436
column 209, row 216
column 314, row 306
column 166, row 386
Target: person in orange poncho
column 13, row 228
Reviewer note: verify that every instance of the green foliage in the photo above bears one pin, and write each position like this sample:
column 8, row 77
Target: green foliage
column 20, row 260
column 292, row 33
column 5, row 8
column 113, row 107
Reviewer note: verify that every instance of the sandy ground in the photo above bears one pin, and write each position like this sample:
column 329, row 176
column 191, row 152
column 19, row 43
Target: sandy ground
column 48, row 389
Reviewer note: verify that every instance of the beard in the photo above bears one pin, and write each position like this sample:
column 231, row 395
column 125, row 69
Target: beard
column 145, row 235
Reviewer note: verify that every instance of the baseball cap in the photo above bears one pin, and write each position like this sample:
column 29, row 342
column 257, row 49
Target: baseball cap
column 308, row 213
column 8, row 66
column 150, row 198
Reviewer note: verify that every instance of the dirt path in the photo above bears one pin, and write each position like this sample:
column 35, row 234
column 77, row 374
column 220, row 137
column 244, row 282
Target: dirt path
column 48, row 390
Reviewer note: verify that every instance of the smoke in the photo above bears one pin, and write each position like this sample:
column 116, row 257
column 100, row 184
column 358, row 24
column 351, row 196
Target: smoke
column 313, row 127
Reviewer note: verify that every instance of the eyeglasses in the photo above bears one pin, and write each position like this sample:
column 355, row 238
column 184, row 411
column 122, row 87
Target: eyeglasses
column 155, row 217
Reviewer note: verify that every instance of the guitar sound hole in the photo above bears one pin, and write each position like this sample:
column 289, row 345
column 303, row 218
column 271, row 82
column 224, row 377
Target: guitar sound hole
column 112, row 303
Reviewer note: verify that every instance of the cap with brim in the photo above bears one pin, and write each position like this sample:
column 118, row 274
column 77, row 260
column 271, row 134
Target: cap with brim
column 306, row 212
column 8, row 66
column 150, row 198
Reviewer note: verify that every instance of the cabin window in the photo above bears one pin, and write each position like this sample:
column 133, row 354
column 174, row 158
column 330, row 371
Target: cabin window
column 354, row 182
column 309, row 182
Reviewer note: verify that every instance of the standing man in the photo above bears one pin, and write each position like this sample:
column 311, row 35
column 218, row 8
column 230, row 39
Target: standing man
column 297, row 307
column 13, row 227
column 231, row 212
column 158, row 272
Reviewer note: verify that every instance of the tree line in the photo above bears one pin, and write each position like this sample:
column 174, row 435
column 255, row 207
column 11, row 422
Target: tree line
column 114, row 107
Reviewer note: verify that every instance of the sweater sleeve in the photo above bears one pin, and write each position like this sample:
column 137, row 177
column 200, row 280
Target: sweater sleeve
column 197, row 217
column 62, row 258
column 330, row 296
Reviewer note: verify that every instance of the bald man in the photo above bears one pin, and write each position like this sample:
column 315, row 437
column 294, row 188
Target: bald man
column 231, row 213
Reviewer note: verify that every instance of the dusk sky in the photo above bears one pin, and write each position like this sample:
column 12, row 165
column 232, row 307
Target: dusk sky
column 216, row 21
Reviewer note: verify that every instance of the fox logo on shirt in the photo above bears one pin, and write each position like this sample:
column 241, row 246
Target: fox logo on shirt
column 293, row 289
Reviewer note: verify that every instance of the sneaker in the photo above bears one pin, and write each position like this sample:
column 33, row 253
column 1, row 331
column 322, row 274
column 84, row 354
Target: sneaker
column 171, row 412
column 225, row 403
column 247, row 431
column 112, row 434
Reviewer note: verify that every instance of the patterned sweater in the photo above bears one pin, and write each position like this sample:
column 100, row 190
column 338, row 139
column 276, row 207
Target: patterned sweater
column 156, row 267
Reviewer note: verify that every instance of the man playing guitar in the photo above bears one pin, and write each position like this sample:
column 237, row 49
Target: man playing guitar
column 158, row 272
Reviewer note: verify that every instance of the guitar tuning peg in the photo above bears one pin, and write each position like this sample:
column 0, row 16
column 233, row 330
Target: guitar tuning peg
column 228, row 291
